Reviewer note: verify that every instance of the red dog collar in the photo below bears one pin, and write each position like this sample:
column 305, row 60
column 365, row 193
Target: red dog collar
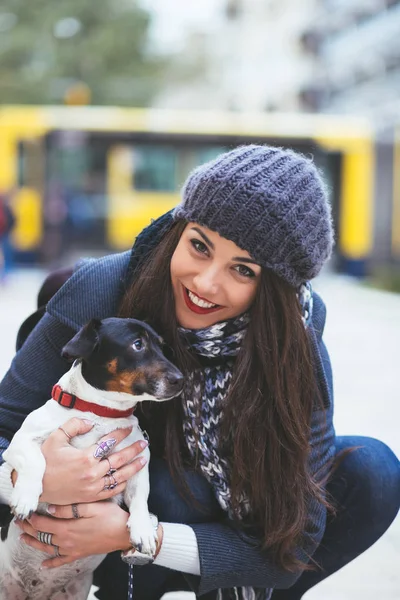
column 70, row 401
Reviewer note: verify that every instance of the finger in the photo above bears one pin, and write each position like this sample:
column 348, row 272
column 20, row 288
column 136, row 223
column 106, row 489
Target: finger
column 26, row 527
column 66, row 511
column 121, row 458
column 116, row 436
column 72, row 428
column 34, row 543
column 121, row 477
column 28, row 530
column 41, row 523
column 106, row 494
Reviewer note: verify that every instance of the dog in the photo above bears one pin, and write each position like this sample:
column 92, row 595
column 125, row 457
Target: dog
column 117, row 363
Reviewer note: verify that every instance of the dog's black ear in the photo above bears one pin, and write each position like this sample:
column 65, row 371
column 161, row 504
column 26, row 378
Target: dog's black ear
column 84, row 342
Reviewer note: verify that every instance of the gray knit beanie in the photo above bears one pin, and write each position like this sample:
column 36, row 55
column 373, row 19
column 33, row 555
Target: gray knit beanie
column 269, row 201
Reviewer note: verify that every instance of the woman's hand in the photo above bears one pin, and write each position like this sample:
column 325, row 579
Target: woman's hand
column 74, row 475
column 100, row 528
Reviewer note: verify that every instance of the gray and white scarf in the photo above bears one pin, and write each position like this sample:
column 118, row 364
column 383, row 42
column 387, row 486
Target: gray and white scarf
column 203, row 408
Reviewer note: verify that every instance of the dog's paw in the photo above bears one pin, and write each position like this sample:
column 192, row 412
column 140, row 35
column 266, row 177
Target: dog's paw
column 142, row 533
column 24, row 501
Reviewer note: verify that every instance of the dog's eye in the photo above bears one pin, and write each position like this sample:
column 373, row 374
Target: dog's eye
column 137, row 345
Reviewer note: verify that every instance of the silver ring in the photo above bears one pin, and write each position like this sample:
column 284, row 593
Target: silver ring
column 111, row 483
column 75, row 512
column 56, row 551
column 114, row 482
column 104, row 448
column 44, row 537
column 67, row 434
column 111, row 470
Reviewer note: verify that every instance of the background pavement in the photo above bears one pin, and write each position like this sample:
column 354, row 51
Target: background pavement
column 362, row 335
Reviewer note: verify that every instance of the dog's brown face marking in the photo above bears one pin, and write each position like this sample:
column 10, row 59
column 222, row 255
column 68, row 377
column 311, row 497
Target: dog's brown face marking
column 125, row 381
column 112, row 366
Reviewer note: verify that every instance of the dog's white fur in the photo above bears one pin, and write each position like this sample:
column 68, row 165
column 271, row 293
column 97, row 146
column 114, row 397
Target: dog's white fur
column 20, row 577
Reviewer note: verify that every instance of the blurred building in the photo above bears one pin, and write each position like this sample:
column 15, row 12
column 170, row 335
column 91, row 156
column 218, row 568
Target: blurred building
column 247, row 55
column 340, row 56
column 357, row 46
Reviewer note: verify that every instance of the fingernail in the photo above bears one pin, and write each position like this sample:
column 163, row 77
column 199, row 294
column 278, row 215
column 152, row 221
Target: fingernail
column 142, row 460
column 143, row 444
column 88, row 421
column 51, row 509
column 18, row 522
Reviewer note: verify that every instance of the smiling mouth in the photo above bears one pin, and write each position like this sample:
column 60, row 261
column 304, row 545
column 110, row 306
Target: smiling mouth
column 198, row 305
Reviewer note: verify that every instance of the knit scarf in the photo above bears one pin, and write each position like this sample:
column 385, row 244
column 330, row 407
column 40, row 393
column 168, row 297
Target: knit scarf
column 203, row 405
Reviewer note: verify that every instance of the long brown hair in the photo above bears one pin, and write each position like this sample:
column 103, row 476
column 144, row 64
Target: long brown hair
column 267, row 413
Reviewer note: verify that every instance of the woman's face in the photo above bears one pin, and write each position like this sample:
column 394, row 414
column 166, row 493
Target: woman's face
column 212, row 278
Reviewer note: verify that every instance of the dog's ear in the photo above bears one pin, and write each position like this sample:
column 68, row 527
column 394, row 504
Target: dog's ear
column 84, row 342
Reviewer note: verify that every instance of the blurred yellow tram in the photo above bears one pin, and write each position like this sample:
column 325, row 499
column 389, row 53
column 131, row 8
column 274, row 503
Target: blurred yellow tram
column 90, row 178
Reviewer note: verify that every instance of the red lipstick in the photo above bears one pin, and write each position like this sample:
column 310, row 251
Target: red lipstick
column 198, row 309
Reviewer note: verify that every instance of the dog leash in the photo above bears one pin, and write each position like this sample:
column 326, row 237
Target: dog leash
column 130, row 582
column 130, row 567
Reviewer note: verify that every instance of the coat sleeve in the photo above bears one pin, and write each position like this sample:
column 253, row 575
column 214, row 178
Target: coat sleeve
column 228, row 557
column 35, row 369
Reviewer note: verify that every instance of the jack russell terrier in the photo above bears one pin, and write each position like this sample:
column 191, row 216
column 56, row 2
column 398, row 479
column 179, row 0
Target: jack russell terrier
column 117, row 363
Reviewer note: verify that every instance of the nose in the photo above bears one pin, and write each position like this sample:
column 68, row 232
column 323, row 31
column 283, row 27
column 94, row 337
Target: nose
column 175, row 379
column 207, row 281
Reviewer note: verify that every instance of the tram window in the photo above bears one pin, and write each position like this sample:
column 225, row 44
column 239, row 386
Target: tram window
column 69, row 165
column 164, row 168
column 193, row 156
column 209, row 153
column 30, row 164
column 154, row 168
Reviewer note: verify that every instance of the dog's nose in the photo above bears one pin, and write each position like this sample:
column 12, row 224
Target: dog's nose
column 175, row 379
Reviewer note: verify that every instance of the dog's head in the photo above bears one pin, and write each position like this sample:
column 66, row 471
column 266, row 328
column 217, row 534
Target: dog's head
column 124, row 355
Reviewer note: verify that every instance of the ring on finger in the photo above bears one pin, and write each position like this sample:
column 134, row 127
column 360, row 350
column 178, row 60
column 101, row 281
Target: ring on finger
column 104, row 448
column 75, row 512
column 110, row 482
column 56, row 551
column 111, row 470
column 107, row 480
column 67, row 434
column 44, row 537
column 113, row 483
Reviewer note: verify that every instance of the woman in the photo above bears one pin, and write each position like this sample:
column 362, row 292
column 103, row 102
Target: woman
column 243, row 475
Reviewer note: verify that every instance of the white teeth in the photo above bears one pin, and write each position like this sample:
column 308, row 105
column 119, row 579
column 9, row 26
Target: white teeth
column 202, row 303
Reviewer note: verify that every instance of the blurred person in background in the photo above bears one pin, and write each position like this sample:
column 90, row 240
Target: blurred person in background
column 7, row 221
column 255, row 495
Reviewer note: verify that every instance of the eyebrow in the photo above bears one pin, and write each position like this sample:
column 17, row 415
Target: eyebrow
column 205, row 238
column 243, row 259
column 246, row 260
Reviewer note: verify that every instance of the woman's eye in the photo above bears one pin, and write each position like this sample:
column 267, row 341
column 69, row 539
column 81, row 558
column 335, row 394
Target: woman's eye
column 245, row 271
column 137, row 345
column 199, row 246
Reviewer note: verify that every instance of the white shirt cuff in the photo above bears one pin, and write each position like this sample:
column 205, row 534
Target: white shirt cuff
column 179, row 550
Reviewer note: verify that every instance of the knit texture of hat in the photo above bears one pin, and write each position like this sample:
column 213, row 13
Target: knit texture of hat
column 269, row 201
